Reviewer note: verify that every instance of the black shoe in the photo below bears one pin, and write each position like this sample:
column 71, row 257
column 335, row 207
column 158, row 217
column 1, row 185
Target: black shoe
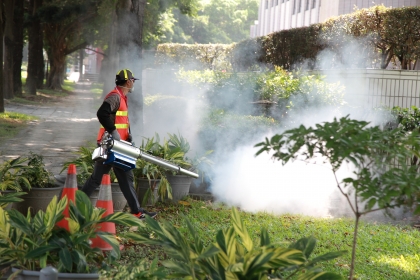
column 142, row 215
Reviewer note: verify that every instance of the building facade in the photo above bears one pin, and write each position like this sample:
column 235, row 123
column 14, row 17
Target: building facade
column 276, row 15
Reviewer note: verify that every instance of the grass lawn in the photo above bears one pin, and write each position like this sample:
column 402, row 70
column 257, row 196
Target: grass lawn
column 11, row 123
column 384, row 251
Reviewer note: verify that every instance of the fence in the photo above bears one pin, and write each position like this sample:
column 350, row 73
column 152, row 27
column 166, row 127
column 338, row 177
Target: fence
column 375, row 87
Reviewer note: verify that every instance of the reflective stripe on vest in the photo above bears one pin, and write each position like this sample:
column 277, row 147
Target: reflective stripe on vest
column 119, row 126
column 122, row 113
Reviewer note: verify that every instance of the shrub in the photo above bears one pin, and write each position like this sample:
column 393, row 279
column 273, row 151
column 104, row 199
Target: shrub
column 196, row 56
column 279, row 86
column 381, row 177
column 36, row 173
column 224, row 130
column 240, row 92
column 233, row 254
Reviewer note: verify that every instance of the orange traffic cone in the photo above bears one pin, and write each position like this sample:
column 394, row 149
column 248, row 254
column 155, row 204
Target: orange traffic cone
column 70, row 188
column 105, row 201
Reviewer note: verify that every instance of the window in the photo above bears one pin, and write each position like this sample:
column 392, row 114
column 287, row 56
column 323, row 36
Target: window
column 294, row 7
column 266, row 4
column 313, row 4
column 277, row 2
column 307, row 5
column 300, row 6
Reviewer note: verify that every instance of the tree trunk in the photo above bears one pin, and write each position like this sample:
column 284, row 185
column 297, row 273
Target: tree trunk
column 386, row 57
column 110, row 62
column 130, row 18
column 138, row 10
column 123, row 31
column 2, row 24
column 56, row 56
column 18, row 48
column 404, row 64
column 353, row 251
column 8, row 51
column 56, row 74
column 81, row 51
column 36, row 65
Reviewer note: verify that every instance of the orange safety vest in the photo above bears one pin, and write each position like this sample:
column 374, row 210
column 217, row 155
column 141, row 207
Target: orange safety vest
column 121, row 117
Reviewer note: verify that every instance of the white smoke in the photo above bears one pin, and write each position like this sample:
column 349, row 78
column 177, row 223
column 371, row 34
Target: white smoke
column 261, row 184
column 240, row 178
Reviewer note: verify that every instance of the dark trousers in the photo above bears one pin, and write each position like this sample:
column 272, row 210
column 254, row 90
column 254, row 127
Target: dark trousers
column 125, row 180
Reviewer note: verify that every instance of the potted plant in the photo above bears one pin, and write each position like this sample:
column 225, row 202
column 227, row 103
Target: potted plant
column 176, row 149
column 150, row 178
column 10, row 181
column 31, row 243
column 42, row 185
column 204, row 167
column 153, row 179
column 170, row 186
column 6, row 200
column 85, row 164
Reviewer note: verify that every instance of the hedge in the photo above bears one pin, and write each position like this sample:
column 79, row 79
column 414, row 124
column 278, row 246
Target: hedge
column 383, row 35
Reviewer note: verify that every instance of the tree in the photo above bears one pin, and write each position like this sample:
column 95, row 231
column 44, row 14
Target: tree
column 8, row 50
column 35, row 78
column 370, row 24
column 216, row 22
column 67, row 28
column 18, row 47
column 232, row 18
column 402, row 32
column 383, row 176
column 2, row 25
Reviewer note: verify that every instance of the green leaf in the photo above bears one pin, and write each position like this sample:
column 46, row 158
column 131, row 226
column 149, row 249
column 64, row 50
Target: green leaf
column 111, row 240
column 265, row 238
column 328, row 256
column 65, row 258
column 19, row 221
column 306, row 245
column 241, row 230
column 40, row 251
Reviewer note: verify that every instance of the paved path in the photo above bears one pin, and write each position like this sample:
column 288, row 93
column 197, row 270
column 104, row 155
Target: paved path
column 62, row 128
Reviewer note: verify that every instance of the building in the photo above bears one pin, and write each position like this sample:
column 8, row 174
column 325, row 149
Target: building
column 276, row 15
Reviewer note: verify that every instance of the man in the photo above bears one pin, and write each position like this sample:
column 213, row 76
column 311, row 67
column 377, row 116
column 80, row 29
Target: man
column 113, row 116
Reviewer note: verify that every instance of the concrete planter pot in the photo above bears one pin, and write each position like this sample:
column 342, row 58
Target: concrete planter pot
column 37, row 199
column 5, row 271
column 200, row 190
column 143, row 185
column 118, row 200
column 34, row 275
column 180, row 185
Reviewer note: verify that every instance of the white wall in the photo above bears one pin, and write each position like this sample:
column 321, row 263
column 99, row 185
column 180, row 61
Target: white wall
column 272, row 18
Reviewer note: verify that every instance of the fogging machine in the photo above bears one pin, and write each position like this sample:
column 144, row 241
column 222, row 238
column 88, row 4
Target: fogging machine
column 123, row 154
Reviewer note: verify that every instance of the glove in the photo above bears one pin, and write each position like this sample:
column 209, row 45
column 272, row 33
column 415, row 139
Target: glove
column 129, row 138
column 116, row 135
